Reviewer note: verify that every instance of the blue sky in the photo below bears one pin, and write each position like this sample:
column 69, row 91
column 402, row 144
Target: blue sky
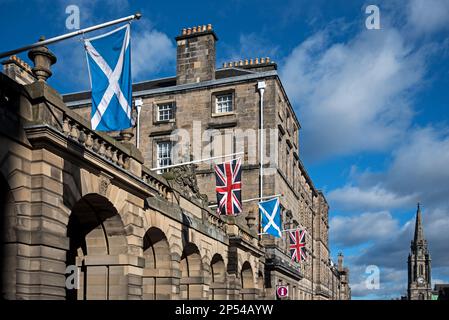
column 373, row 104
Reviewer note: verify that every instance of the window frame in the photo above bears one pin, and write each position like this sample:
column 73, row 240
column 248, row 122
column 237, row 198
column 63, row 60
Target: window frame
column 159, row 160
column 214, row 103
column 172, row 110
column 228, row 103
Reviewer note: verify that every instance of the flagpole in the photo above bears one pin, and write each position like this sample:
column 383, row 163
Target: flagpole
column 253, row 199
column 136, row 16
column 196, row 161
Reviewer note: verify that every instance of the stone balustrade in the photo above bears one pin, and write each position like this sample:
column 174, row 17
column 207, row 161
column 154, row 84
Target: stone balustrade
column 89, row 139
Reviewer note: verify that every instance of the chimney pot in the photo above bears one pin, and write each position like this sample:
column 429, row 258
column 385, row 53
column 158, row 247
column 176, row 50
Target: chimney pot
column 184, row 31
column 262, row 60
column 230, row 64
column 257, row 61
column 204, row 27
column 209, row 27
column 241, row 63
column 194, row 30
column 250, row 61
column 189, row 30
column 268, row 59
column 246, row 62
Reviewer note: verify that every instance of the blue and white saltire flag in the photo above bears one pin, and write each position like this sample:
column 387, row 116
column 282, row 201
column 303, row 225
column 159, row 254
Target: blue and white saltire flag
column 270, row 213
column 109, row 62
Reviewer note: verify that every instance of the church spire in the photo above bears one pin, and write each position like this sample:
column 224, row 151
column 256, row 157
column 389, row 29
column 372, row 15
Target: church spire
column 419, row 232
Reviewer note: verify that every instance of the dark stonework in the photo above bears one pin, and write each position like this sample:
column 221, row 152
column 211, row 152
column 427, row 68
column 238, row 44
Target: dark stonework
column 419, row 264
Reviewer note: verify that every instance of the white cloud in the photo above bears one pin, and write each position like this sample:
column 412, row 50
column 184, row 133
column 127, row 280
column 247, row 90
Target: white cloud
column 418, row 169
column 373, row 198
column 355, row 230
column 352, row 96
column 427, row 16
column 152, row 51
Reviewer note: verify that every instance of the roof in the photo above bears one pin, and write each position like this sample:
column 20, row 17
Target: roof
column 165, row 85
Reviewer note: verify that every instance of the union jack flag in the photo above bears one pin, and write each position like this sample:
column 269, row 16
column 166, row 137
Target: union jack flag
column 298, row 245
column 228, row 187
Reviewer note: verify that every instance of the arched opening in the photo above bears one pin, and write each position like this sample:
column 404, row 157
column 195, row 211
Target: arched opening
column 192, row 280
column 218, row 285
column 97, row 237
column 248, row 291
column 157, row 275
column 8, row 249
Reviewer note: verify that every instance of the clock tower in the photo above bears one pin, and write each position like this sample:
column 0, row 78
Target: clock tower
column 419, row 273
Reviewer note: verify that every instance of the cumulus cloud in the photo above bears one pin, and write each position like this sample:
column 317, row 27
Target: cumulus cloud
column 418, row 169
column 152, row 51
column 392, row 284
column 350, row 231
column 352, row 96
column 427, row 16
column 376, row 197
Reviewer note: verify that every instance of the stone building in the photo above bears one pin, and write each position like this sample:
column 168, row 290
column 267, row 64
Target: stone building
column 419, row 264
column 76, row 197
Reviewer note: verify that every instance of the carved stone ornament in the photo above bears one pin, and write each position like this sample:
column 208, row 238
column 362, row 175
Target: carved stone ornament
column 105, row 181
column 185, row 176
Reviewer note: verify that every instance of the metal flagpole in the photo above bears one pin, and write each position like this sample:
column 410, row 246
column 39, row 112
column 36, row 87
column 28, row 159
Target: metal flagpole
column 136, row 16
column 195, row 161
column 253, row 199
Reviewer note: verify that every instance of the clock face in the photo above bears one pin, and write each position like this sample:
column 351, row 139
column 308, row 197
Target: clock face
column 421, row 280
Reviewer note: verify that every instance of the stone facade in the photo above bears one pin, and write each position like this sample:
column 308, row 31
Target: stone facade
column 83, row 198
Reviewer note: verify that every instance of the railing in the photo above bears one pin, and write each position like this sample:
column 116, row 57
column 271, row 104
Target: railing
column 92, row 141
column 216, row 221
column 149, row 178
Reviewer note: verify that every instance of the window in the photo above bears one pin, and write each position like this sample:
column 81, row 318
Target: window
column 165, row 111
column 164, row 151
column 223, row 103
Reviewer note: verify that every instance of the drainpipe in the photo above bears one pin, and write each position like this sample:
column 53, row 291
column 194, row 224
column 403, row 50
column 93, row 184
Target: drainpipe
column 138, row 103
column 261, row 87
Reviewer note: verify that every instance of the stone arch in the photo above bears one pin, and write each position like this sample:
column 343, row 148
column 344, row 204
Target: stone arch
column 8, row 250
column 218, row 290
column 96, row 240
column 248, row 291
column 192, row 275
column 157, row 276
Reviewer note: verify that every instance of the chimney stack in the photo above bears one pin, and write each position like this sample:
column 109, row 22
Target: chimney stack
column 340, row 262
column 18, row 70
column 195, row 54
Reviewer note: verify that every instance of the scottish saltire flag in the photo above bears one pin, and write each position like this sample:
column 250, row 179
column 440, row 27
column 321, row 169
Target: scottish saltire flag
column 109, row 62
column 270, row 213
column 229, row 187
column 298, row 245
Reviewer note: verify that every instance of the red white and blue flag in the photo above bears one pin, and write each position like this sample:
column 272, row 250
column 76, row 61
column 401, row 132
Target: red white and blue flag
column 298, row 245
column 229, row 187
